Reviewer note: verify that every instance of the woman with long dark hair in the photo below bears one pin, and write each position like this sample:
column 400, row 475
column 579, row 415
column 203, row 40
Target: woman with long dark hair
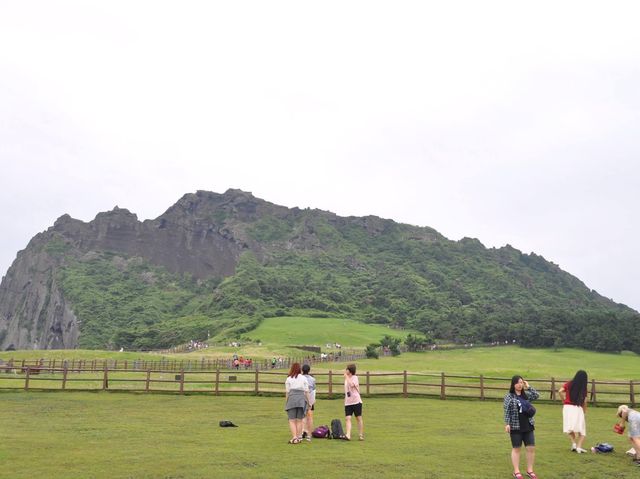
column 574, row 399
column 519, row 423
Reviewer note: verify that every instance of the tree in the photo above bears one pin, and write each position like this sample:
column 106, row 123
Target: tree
column 393, row 344
column 371, row 351
column 415, row 343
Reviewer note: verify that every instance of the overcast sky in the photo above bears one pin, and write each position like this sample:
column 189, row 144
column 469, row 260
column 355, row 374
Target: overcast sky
column 511, row 122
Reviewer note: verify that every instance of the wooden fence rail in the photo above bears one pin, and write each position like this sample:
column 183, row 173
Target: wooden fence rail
column 329, row 383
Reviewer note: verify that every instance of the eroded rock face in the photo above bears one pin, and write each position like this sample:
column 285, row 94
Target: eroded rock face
column 33, row 311
column 201, row 235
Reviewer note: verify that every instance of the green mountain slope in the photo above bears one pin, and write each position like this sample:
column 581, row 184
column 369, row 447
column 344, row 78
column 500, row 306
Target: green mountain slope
column 217, row 265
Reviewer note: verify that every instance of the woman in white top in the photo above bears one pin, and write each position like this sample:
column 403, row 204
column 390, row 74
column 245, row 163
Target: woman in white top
column 297, row 396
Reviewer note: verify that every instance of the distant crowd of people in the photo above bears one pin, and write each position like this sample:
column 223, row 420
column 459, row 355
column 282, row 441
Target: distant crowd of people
column 238, row 362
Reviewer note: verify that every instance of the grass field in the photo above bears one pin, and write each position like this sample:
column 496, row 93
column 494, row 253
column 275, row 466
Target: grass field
column 505, row 361
column 130, row 435
column 133, row 435
column 296, row 331
column 100, row 435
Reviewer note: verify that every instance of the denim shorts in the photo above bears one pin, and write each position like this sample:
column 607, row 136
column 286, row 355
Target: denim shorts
column 634, row 424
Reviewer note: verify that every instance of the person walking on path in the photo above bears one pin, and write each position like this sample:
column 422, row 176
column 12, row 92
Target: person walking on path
column 519, row 423
column 297, row 399
column 574, row 399
column 352, row 402
column 307, row 425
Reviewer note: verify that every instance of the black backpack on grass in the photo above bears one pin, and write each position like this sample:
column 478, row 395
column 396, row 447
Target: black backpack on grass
column 336, row 430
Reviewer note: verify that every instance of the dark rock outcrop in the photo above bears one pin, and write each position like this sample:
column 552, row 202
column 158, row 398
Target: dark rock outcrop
column 202, row 235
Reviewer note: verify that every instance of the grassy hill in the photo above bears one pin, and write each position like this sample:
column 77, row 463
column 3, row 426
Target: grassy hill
column 298, row 331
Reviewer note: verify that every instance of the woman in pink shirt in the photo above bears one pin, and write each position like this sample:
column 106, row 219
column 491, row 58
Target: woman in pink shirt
column 352, row 401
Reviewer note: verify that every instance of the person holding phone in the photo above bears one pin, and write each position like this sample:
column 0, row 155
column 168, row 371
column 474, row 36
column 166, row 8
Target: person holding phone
column 519, row 423
column 352, row 401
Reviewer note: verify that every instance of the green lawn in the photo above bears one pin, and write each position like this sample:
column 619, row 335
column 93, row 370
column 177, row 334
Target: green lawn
column 506, row 361
column 130, row 435
column 297, row 331
column 100, row 435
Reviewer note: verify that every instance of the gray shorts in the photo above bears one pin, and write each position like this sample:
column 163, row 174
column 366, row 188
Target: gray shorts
column 295, row 413
column 634, row 424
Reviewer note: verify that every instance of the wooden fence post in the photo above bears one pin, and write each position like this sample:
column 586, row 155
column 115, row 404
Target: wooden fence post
column 482, row 387
column 330, row 383
column 26, row 379
column 105, row 378
column 64, row 377
column 632, row 396
column 146, row 384
column 368, row 382
column 217, row 382
column 442, row 387
column 257, row 388
column 182, row 381
column 552, row 396
column 593, row 391
column 404, row 384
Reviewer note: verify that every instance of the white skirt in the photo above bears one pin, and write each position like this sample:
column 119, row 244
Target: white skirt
column 573, row 420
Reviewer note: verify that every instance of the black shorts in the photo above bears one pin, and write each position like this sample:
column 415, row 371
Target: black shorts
column 353, row 409
column 517, row 438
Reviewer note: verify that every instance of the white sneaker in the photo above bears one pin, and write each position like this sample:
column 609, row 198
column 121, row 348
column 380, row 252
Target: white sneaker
column 579, row 450
column 631, row 452
column 573, row 447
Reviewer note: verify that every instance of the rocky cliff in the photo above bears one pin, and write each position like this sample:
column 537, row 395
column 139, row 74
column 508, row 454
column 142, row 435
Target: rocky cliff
column 192, row 237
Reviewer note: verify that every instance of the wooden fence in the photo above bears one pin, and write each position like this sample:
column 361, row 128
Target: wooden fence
column 271, row 382
column 202, row 364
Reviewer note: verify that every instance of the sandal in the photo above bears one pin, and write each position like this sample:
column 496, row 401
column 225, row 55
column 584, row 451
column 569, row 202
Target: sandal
column 361, row 437
column 532, row 475
column 517, row 475
column 295, row 440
